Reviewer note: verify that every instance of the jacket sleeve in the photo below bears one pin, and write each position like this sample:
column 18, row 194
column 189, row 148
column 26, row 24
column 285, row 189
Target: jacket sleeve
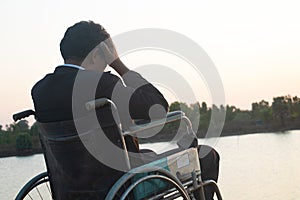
column 135, row 97
column 145, row 100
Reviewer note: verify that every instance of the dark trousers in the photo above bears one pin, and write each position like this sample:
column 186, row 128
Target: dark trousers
column 209, row 167
column 209, row 162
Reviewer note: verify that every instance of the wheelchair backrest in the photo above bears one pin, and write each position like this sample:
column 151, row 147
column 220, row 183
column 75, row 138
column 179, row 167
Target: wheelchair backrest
column 74, row 172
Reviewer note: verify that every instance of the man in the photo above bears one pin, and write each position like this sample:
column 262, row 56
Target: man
column 87, row 49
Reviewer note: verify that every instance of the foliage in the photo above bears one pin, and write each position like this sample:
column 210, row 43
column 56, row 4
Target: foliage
column 19, row 137
column 282, row 114
column 23, row 142
column 34, row 129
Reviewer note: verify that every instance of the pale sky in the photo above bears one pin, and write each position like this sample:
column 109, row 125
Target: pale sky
column 255, row 44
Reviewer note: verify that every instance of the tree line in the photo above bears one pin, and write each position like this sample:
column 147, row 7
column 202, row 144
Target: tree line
column 19, row 139
column 282, row 114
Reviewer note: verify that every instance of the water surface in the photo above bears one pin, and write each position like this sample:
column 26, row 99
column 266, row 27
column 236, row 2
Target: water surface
column 256, row 166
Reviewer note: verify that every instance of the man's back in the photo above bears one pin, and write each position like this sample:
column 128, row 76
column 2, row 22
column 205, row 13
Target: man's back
column 52, row 95
column 54, row 98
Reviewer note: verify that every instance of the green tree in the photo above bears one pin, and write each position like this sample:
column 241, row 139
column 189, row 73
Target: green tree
column 204, row 120
column 174, row 106
column 34, row 129
column 230, row 113
column 280, row 110
column 194, row 115
column 203, row 107
column 180, row 106
column 242, row 117
column 261, row 111
column 265, row 114
column 20, row 126
column 23, row 142
column 295, row 110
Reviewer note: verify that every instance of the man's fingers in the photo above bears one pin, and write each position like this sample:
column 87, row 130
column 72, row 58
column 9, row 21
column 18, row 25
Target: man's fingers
column 108, row 50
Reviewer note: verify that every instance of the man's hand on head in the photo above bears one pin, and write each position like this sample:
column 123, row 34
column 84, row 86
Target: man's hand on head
column 109, row 51
column 111, row 56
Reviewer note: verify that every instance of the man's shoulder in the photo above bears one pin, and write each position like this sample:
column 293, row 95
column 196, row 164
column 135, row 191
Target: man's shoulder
column 102, row 77
column 109, row 76
column 80, row 76
column 40, row 82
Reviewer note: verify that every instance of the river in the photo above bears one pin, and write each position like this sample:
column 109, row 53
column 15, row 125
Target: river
column 253, row 167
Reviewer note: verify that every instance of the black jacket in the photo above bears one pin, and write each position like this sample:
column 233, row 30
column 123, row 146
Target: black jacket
column 58, row 94
column 52, row 96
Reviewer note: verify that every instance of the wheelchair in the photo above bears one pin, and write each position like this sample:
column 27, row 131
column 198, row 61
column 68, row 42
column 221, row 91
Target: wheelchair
column 72, row 171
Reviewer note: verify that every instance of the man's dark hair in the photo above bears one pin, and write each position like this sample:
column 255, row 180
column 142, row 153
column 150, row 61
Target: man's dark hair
column 80, row 39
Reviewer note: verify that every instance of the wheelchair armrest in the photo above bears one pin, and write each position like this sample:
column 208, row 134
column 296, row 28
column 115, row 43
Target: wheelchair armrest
column 98, row 103
column 170, row 117
column 175, row 113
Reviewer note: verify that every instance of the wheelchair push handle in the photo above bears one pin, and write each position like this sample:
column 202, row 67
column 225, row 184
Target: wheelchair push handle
column 23, row 114
column 95, row 104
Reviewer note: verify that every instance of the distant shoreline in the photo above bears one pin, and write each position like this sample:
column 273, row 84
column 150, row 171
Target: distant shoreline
column 31, row 152
column 166, row 138
column 13, row 153
column 282, row 115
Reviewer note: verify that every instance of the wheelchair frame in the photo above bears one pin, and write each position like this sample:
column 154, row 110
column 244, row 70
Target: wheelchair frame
column 187, row 189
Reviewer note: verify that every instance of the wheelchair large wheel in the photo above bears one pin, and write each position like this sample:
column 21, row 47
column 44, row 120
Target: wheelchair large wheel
column 126, row 186
column 37, row 188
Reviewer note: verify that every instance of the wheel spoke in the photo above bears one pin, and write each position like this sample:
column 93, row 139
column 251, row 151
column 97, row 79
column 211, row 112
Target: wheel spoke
column 48, row 188
column 30, row 196
column 37, row 189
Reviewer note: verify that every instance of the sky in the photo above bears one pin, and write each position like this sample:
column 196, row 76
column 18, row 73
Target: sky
column 255, row 45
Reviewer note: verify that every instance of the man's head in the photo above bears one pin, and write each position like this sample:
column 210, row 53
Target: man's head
column 79, row 42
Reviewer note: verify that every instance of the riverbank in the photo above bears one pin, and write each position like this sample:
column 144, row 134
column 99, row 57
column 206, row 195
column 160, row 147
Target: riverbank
column 166, row 138
column 29, row 152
